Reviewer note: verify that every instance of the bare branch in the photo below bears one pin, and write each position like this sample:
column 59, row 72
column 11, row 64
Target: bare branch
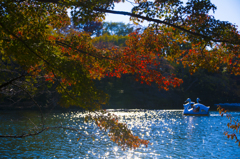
column 12, row 80
column 44, row 129
column 191, row 84
column 42, row 118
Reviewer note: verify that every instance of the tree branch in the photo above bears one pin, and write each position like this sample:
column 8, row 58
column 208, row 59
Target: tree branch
column 12, row 80
column 141, row 17
column 161, row 22
column 42, row 130
column 42, row 118
column 26, row 45
column 191, row 84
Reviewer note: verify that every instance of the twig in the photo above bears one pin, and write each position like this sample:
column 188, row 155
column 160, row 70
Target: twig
column 12, row 80
column 44, row 129
column 42, row 118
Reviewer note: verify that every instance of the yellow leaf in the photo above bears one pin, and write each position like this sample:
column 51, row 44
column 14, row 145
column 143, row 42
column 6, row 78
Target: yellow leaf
column 78, row 139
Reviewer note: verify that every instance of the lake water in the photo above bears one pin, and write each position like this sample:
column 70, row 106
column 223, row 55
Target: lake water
column 171, row 135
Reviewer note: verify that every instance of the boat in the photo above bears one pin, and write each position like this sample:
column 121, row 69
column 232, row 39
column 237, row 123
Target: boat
column 195, row 109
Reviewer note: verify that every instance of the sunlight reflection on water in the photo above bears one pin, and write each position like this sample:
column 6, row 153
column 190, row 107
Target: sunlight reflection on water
column 171, row 135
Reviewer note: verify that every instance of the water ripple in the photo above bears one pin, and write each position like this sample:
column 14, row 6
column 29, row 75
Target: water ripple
column 171, row 135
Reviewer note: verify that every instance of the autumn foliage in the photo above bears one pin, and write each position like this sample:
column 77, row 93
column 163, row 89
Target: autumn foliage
column 233, row 124
column 118, row 132
column 37, row 36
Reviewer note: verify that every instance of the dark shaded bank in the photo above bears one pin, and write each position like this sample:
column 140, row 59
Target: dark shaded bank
column 29, row 105
column 117, row 106
column 126, row 93
column 228, row 106
column 34, row 108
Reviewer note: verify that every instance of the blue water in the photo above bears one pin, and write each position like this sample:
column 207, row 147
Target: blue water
column 171, row 135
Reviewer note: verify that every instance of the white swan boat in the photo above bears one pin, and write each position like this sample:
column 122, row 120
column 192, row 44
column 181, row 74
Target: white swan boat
column 195, row 109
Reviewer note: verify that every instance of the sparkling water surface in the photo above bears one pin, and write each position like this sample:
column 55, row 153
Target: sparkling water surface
column 171, row 135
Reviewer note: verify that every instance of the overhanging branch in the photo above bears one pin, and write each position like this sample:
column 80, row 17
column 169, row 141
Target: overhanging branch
column 145, row 18
column 40, row 131
column 12, row 80
column 161, row 22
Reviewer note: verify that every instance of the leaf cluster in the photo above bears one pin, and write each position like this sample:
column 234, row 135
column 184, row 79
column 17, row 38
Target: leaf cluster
column 233, row 124
column 118, row 132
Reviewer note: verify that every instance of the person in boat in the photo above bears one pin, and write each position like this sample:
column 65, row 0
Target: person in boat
column 192, row 105
column 196, row 108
